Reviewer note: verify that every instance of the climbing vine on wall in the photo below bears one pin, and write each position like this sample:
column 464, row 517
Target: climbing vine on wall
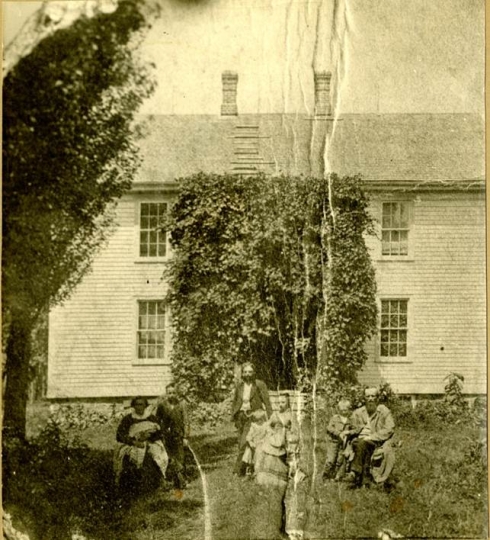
column 272, row 270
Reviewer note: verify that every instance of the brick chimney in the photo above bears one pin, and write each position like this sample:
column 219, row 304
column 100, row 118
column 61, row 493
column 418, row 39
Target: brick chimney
column 230, row 82
column 322, row 93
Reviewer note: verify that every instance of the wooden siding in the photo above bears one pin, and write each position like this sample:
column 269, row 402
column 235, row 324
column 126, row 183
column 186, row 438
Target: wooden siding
column 443, row 279
column 92, row 338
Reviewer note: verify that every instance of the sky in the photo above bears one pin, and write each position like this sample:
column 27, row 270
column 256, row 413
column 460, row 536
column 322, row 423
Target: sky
column 387, row 56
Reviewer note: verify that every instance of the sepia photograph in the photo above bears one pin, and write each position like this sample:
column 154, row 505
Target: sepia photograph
column 244, row 270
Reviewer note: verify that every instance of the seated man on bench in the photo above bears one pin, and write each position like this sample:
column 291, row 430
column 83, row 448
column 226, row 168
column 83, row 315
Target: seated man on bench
column 373, row 427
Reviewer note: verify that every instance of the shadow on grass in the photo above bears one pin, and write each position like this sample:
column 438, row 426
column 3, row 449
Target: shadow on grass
column 215, row 450
column 53, row 490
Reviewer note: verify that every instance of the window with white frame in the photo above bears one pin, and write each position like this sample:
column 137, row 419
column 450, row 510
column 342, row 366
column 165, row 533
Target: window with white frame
column 153, row 238
column 394, row 328
column 395, row 228
column 151, row 330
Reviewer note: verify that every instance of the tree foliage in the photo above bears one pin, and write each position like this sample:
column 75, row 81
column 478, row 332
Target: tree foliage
column 273, row 270
column 68, row 153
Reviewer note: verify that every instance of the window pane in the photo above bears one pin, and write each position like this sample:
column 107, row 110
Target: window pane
column 386, row 242
column 393, row 336
column 142, row 308
column 161, row 308
column 395, row 221
column 160, row 351
column 385, row 321
column 142, row 351
column 393, row 349
column 153, row 209
column 402, row 349
column 384, row 349
column 161, row 322
column 386, row 220
column 403, row 242
column 384, row 306
column 152, row 308
column 144, row 237
column 152, row 321
column 151, row 351
column 142, row 322
column 162, row 249
column 402, row 336
column 153, row 337
column 384, row 336
column 404, row 215
column 143, row 250
column 144, row 209
column 403, row 321
column 152, row 250
column 144, row 223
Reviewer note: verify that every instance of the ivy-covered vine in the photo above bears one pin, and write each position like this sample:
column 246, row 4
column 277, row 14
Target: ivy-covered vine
column 271, row 270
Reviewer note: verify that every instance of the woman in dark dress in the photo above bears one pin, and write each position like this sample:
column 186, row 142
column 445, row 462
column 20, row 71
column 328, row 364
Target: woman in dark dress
column 140, row 459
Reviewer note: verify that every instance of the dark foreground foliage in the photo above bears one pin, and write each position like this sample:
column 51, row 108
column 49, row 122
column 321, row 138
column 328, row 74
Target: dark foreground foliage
column 56, row 485
column 69, row 153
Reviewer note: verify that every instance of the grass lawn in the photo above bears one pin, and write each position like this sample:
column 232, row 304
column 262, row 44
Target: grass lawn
column 440, row 492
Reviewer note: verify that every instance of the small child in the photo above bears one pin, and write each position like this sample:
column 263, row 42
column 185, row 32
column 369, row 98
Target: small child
column 255, row 438
column 283, row 415
column 336, row 441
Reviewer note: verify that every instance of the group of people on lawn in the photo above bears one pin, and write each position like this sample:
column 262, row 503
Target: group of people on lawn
column 358, row 442
column 157, row 435
column 274, row 448
column 270, row 443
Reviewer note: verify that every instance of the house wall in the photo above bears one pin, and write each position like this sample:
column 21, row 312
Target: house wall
column 92, row 338
column 444, row 280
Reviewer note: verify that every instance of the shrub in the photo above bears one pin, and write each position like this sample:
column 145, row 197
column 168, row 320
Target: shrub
column 80, row 416
column 209, row 416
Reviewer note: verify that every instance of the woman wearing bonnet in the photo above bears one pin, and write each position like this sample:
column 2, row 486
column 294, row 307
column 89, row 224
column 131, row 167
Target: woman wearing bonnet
column 140, row 441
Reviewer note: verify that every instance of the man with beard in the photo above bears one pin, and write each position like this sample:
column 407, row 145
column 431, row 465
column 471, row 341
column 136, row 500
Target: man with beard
column 251, row 395
column 373, row 424
column 172, row 416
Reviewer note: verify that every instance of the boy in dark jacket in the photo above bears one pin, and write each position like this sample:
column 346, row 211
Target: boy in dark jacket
column 336, row 436
column 172, row 416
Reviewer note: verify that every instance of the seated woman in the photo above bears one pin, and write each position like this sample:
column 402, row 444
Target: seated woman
column 141, row 449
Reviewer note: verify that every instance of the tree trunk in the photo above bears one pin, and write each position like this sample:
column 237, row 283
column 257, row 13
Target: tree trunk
column 17, row 371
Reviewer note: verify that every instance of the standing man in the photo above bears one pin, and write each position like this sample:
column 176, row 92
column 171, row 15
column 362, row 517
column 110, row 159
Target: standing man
column 172, row 416
column 374, row 425
column 251, row 395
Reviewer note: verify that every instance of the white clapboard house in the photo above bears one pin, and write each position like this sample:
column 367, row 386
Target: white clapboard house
column 425, row 173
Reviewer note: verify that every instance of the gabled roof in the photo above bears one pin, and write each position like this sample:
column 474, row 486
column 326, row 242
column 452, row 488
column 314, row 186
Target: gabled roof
column 391, row 148
column 413, row 147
